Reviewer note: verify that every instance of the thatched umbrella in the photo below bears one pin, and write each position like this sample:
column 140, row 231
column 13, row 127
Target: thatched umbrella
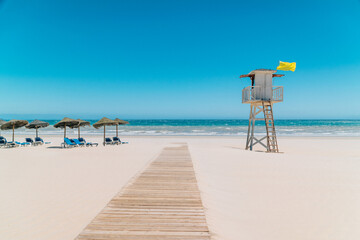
column 81, row 123
column 119, row 122
column 36, row 124
column 1, row 123
column 66, row 122
column 13, row 124
column 104, row 122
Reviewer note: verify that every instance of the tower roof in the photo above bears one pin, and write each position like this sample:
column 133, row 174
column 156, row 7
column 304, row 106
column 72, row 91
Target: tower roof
column 252, row 73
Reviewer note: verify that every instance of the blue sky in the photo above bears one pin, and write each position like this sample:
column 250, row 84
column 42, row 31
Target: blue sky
column 175, row 59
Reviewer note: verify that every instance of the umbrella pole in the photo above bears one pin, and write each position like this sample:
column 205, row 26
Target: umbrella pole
column 65, row 131
column 37, row 132
column 13, row 132
column 104, row 135
column 117, row 131
column 79, row 132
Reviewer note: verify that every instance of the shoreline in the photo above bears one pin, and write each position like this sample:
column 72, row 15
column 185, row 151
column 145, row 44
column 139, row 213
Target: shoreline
column 8, row 136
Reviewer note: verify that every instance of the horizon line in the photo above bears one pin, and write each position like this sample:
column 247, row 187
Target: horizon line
column 139, row 119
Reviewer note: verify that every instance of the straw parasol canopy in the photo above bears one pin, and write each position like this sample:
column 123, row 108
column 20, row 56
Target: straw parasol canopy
column 82, row 123
column 119, row 122
column 66, row 122
column 1, row 123
column 13, row 124
column 103, row 123
column 36, row 124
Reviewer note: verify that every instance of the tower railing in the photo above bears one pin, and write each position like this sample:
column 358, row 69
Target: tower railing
column 249, row 94
column 256, row 93
column 277, row 95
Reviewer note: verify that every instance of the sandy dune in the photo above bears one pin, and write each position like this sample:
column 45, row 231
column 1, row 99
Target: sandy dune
column 312, row 191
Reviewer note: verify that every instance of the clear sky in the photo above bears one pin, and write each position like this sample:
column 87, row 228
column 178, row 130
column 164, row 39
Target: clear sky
column 176, row 59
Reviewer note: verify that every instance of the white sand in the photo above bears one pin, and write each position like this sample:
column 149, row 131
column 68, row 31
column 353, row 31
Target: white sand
column 312, row 191
column 54, row 193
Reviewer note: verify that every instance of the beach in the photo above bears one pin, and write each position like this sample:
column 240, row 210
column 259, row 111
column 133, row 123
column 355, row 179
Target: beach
column 134, row 120
column 309, row 191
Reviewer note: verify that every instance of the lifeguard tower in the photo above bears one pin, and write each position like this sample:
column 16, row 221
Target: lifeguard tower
column 262, row 95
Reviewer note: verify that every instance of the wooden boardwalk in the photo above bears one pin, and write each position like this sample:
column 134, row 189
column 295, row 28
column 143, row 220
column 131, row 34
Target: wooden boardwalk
column 161, row 203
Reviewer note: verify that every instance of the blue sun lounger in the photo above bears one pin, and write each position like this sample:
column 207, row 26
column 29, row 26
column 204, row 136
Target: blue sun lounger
column 68, row 143
column 117, row 140
column 23, row 144
column 39, row 140
column 30, row 141
column 3, row 142
column 108, row 141
column 88, row 144
column 77, row 142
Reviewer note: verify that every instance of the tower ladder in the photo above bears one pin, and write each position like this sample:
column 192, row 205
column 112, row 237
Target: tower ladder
column 270, row 127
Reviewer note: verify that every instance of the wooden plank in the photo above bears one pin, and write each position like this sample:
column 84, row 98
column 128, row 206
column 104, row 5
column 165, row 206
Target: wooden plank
column 163, row 202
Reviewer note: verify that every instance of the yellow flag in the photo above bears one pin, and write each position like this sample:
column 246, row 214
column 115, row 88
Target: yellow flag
column 285, row 66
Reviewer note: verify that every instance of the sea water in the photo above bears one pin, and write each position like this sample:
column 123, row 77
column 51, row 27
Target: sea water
column 211, row 127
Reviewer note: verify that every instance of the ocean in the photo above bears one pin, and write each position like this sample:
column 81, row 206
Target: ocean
column 211, row 127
